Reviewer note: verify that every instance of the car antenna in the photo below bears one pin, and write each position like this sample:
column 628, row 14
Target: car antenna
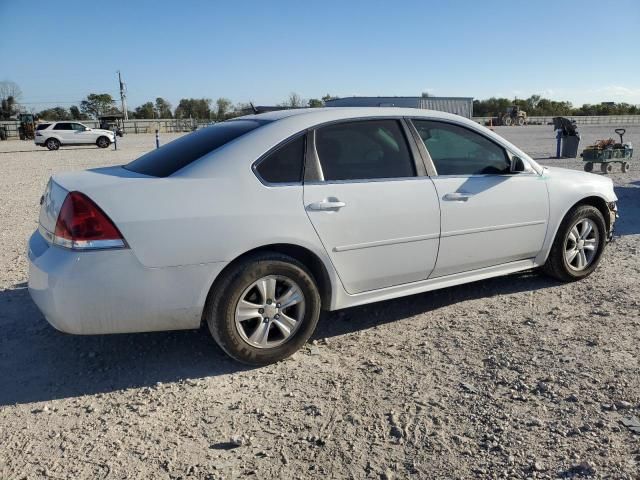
column 255, row 110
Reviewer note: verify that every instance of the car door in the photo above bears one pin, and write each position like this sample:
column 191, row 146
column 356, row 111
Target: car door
column 81, row 134
column 490, row 215
column 64, row 132
column 373, row 207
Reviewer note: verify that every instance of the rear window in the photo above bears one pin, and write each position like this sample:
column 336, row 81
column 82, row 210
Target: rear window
column 170, row 158
column 42, row 126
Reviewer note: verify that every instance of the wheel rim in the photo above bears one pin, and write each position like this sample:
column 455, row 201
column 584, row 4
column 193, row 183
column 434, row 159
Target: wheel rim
column 269, row 311
column 581, row 245
column 102, row 142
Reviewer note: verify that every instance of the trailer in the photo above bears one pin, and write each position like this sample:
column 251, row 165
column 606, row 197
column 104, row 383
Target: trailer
column 607, row 152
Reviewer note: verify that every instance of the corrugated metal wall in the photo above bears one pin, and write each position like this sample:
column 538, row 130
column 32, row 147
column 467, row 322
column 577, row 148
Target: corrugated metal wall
column 458, row 105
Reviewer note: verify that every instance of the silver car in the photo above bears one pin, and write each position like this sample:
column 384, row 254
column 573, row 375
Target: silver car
column 255, row 225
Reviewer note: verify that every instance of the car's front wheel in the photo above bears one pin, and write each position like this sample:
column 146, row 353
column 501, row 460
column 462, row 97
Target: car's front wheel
column 263, row 309
column 103, row 142
column 53, row 144
column 578, row 246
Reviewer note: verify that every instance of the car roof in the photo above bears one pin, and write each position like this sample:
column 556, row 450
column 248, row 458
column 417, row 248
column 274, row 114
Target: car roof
column 340, row 113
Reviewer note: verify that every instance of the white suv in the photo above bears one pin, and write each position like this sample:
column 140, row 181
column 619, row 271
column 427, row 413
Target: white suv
column 54, row 134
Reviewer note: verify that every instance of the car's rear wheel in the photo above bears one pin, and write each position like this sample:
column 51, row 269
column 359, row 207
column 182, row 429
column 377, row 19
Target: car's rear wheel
column 263, row 309
column 578, row 246
column 53, row 144
column 103, row 142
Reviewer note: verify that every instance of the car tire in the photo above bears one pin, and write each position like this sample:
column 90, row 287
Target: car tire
column 588, row 167
column 560, row 264
column 244, row 285
column 52, row 144
column 103, row 142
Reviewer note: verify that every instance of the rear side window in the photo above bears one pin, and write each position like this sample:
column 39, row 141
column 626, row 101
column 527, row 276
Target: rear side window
column 362, row 150
column 42, row 126
column 457, row 150
column 62, row 126
column 284, row 165
column 167, row 160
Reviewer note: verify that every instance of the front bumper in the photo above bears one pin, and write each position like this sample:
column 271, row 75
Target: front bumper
column 110, row 291
column 613, row 216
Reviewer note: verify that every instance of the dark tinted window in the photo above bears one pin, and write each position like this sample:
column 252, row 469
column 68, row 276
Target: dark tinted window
column 284, row 165
column 77, row 126
column 363, row 150
column 62, row 126
column 170, row 158
column 459, row 151
column 42, row 126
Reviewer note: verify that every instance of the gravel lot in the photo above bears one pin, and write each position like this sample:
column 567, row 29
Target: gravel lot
column 515, row 377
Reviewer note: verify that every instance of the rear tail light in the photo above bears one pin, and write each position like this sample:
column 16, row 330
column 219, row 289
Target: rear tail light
column 82, row 225
column 38, row 134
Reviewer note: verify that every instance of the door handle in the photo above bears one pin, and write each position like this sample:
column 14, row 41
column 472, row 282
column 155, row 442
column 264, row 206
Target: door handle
column 326, row 205
column 457, row 196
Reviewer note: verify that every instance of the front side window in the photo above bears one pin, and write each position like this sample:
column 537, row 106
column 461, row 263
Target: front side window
column 457, row 150
column 62, row 126
column 77, row 126
column 284, row 165
column 170, row 158
column 362, row 150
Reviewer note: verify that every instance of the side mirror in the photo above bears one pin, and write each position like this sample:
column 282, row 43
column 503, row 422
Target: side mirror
column 517, row 165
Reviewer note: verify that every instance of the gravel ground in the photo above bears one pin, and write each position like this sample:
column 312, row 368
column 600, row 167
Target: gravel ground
column 515, row 377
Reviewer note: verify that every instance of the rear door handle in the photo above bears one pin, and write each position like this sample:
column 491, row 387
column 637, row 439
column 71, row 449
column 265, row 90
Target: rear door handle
column 457, row 196
column 326, row 205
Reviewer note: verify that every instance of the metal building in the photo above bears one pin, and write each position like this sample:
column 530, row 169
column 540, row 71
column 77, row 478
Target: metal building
column 459, row 105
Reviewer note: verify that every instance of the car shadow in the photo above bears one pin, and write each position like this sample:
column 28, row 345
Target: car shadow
column 39, row 364
column 374, row 314
column 628, row 209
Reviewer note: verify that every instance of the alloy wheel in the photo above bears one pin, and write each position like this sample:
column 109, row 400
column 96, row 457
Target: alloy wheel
column 581, row 245
column 269, row 311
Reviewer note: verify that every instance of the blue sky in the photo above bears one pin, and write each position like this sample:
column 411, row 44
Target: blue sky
column 580, row 50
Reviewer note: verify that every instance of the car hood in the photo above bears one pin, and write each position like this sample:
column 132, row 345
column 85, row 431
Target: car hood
column 101, row 130
column 590, row 183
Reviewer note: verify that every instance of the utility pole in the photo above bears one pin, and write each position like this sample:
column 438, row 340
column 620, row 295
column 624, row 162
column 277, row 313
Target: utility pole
column 123, row 97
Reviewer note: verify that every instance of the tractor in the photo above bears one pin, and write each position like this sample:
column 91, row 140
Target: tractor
column 27, row 128
column 514, row 116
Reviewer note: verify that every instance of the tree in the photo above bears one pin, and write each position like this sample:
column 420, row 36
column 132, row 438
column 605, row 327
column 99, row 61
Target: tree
column 10, row 93
column 328, row 97
column 10, row 89
column 294, row 101
column 145, row 110
column 199, row 108
column 223, row 109
column 163, row 108
column 315, row 103
column 97, row 104
column 55, row 113
column 76, row 114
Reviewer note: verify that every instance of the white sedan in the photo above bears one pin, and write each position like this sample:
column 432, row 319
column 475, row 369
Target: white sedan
column 54, row 134
column 255, row 225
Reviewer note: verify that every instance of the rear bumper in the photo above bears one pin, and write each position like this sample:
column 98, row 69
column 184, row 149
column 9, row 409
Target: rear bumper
column 109, row 291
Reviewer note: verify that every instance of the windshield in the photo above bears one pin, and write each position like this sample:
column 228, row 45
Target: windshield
column 175, row 155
